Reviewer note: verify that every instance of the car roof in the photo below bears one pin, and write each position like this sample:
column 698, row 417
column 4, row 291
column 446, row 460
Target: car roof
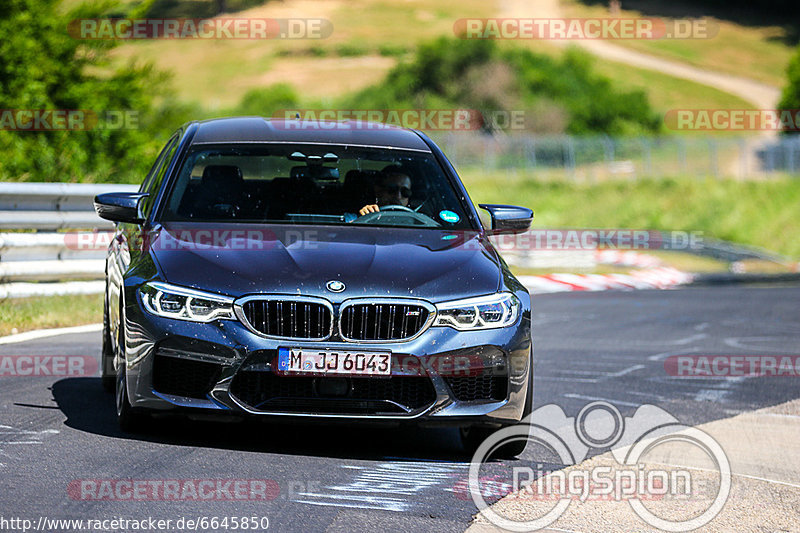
column 353, row 133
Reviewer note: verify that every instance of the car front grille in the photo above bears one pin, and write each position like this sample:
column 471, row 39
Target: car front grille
column 184, row 377
column 382, row 321
column 290, row 319
column 473, row 388
column 268, row 392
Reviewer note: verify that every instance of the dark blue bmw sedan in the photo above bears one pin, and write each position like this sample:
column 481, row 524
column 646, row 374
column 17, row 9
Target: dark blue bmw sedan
column 312, row 270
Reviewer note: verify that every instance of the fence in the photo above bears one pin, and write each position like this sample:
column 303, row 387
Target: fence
column 38, row 263
column 599, row 158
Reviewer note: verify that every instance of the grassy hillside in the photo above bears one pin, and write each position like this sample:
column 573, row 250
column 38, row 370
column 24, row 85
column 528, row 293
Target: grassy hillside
column 369, row 38
column 758, row 52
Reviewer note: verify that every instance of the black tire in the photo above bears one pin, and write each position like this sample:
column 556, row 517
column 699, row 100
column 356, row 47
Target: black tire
column 528, row 408
column 130, row 420
column 472, row 437
column 108, row 376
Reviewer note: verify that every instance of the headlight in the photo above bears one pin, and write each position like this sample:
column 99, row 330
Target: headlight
column 170, row 301
column 484, row 312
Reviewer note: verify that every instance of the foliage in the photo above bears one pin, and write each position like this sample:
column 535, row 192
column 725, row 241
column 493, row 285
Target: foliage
column 791, row 93
column 266, row 101
column 477, row 74
column 44, row 68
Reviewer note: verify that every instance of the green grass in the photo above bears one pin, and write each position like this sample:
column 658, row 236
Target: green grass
column 368, row 37
column 759, row 213
column 24, row 314
column 667, row 92
column 364, row 45
column 750, row 52
column 687, row 262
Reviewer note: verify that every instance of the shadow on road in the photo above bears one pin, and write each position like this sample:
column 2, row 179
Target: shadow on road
column 89, row 408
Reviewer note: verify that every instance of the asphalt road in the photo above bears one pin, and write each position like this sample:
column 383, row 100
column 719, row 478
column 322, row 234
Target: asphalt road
column 589, row 346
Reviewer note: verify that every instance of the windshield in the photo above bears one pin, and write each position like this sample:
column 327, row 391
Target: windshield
column 314, row 184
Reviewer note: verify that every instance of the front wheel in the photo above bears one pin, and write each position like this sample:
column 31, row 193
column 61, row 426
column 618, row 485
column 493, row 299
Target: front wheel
column 108, row 376
column 130, row 420
column 472, row 437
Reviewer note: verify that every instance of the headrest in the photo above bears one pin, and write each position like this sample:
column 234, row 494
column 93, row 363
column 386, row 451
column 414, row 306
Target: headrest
column 222, row 175
column 359, row 177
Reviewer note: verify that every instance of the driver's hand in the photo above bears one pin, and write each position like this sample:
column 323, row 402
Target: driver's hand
column 372, row 208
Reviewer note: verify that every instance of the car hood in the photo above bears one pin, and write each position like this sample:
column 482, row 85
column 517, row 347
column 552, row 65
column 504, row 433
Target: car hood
column 239, row 259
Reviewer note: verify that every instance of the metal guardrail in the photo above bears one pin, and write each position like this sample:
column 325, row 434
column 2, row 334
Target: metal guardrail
column 38, row 263
column 53, row 206
column 58, row 261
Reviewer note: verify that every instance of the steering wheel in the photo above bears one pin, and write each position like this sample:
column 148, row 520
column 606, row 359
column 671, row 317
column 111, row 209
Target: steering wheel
column 397, row 208
column 400, row 211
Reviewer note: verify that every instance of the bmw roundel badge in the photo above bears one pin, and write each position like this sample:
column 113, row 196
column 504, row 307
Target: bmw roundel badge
column 335, row 285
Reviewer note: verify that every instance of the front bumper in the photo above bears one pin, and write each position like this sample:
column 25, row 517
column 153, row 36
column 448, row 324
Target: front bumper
column 441, row 377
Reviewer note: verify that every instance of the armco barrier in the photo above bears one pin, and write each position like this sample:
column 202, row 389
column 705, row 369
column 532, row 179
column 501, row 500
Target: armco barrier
column 41, row 262
column 43, row 255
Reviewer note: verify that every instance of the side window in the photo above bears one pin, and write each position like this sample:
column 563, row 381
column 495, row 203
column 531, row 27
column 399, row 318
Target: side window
column 153, row 183
column 154, row 169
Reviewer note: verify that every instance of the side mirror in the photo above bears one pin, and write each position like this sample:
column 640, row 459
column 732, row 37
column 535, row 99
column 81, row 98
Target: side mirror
column 119, row 206
column 509, row 218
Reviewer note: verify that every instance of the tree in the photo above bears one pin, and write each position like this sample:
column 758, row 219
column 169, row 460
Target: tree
column 791, row 93
column 44, row 68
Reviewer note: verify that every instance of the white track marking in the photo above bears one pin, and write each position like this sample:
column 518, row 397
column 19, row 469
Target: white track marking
column 690, row 339
column 603, row 376
column 739, row 342
column 664, row 355
column 711, row 395
column 26, row 437
column 44, row 333
column 390, row 486
column 599, row 399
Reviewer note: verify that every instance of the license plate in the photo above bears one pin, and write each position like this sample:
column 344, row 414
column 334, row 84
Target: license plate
column 340, row 362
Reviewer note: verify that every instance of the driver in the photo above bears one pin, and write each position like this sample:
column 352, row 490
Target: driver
column 393, row 188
